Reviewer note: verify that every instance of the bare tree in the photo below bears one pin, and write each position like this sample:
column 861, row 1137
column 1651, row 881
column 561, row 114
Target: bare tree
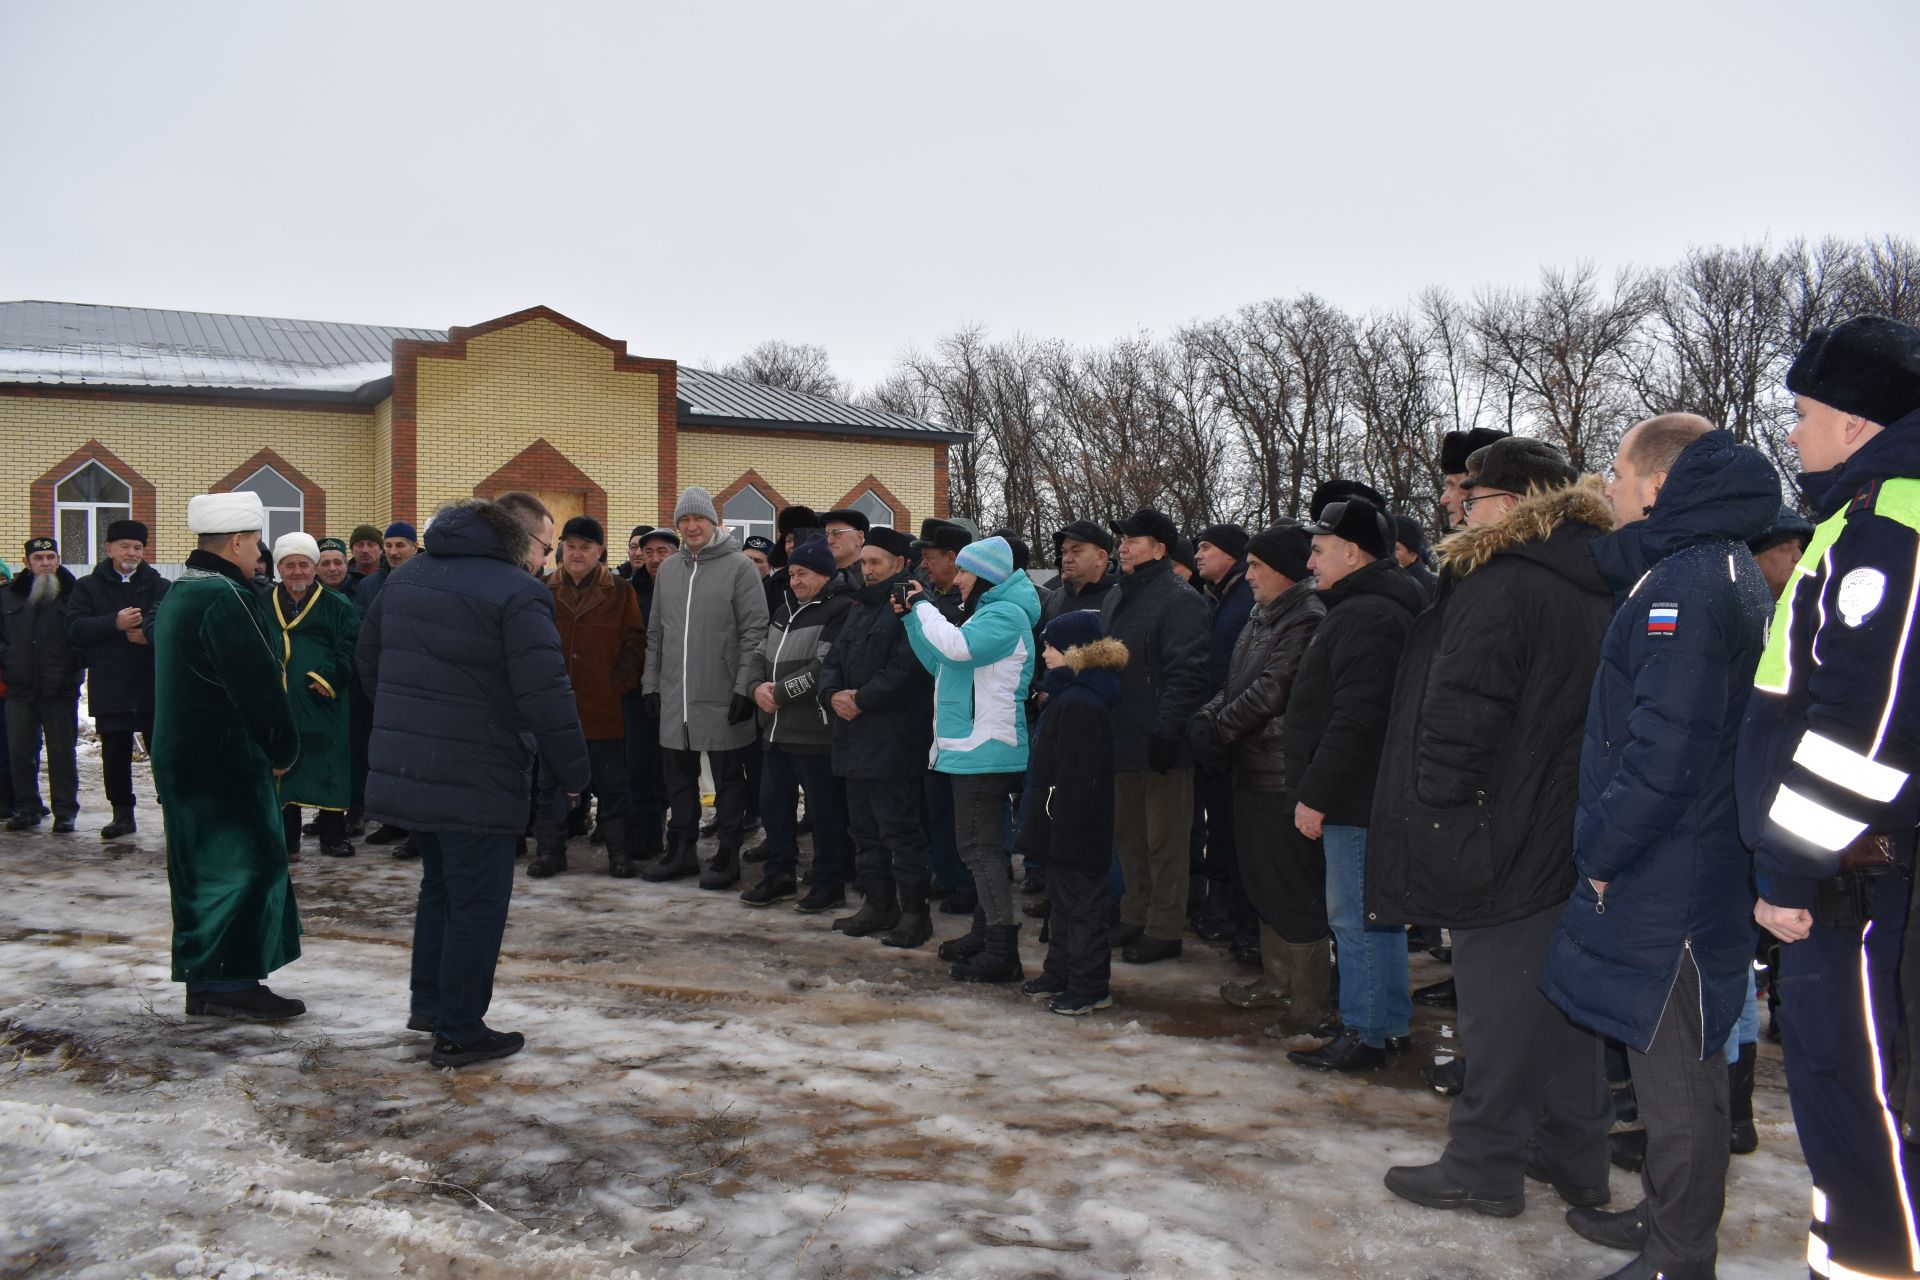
column 790, row 366
column 1397, row 399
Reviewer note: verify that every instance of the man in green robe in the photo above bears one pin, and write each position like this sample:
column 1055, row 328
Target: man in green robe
column 313, row 632
column 222, row 734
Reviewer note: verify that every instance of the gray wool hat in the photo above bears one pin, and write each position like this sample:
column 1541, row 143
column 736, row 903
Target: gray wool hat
column 696, row 502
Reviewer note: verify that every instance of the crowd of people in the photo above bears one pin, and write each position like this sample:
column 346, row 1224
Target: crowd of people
column 1576, row 749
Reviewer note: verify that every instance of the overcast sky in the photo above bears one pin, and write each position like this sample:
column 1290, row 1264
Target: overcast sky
column 696, row 177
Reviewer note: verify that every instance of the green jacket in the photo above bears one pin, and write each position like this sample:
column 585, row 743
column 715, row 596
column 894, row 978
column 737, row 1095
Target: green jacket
column 981, row 671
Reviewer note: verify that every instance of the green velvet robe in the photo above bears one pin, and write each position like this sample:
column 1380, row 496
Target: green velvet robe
column 315, row 645
column 221, row 727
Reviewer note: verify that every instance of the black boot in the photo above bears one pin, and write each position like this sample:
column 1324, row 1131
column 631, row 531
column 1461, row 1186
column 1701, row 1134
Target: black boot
column 723, row 872
column 1746, row 1138
column 960, row 902
column 621, row 864
column 677, row 863
column 356, row 823
column 970, row 943
column 387, row 833
column 331, row 827
column 877, row 914
column 122, row 825
column 290, row 832
column 549, row 848
column 916, row 923
column 998, row 961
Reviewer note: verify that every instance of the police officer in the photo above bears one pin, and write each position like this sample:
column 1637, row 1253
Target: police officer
column 1828, row 803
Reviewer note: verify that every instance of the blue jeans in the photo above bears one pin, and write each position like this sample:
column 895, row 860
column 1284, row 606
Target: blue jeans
column 1747, row 1030
column 1373, row 962
column 783, row 775
column 465, row 883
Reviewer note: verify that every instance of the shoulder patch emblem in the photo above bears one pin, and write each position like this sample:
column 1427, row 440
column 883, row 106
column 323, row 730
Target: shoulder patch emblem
column 1860, row 594
column 1663, row 619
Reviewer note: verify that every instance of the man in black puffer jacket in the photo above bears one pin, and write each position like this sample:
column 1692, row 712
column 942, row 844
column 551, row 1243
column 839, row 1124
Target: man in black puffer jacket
column 1473, row 820
column 110, row 619
column 462, row 659
column 1336, row 724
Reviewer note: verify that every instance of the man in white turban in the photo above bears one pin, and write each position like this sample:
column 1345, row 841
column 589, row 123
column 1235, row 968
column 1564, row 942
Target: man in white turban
column 313, row 632
column 223, row 734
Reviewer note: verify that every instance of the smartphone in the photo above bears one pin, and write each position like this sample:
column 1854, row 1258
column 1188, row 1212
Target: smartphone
column 903, row 593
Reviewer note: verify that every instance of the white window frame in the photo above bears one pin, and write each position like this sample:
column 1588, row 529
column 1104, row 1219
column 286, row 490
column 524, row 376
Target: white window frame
column 96, row 523
column 298, row 511
column 747, row 527
column 869, row 495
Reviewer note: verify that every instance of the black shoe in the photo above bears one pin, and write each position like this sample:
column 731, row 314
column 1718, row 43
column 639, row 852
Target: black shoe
column 1074, row 1006
column 309, row 829
column 550, row 863
column 336, row 848
column 1147, row 949
column 1745, row 1139
column 1430, row 1185
column 913, row 929
column 1574, row 1194
column 494, row 1044
column 759, row 853
column 387, row 834
column 1398, row 1044
column 622, row 866
column 1038, row 909
column 356, row 824
column 1345, row 1052
column 1624, row 1229
column 1034, row 881
column 420, row 1022
column 723, row 872
column 255, row 1004
column 1123, row 934
column 770, row 890
column 22, row 821
column 1446, row 1078
column 675, row 865
column 1246, row 951
column 1439, row 995
column 1043, row 987
column 1214, row 930
column 876, row 915
column 63, row 826
column 819, row 899
column 711, row 827
column 405, row 849
column 1627, row 1149
column 960, row 902
column 1641, row 1269
column 998, row 961
column 121, row 827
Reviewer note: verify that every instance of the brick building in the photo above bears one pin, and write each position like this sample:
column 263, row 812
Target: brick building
column 108, row 411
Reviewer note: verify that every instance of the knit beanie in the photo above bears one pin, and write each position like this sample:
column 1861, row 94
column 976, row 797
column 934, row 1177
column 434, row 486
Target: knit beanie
column 401, row 529
column 365, row 533
column 813, row 554
column 1074, row 628
column 990, row 560
column 695, row 502
column 1230, row 538
column 1869, row 366
column 1284, row 548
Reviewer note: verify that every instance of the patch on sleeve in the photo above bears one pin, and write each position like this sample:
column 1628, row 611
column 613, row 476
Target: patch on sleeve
column 1663, row 619
column 1860, row 594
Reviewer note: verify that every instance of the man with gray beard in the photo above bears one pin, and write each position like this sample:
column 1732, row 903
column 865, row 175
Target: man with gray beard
column 43, row 673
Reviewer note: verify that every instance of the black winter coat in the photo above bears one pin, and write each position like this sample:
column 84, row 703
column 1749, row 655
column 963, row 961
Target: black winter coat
column 1067, row 813
column 463, row 662
column 1232, row 605
column 1657, row 820
column 1163, row 623
column 119, row 672
column 1337, row 710
column 1248, row 715
column 39, row 660
column 892, row 737
column 1473, row 810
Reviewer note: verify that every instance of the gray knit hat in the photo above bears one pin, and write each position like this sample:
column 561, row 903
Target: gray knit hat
column 696, row 502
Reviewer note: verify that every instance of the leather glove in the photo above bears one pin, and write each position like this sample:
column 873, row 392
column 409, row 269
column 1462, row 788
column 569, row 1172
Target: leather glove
column 652, row 703
column 1162, row 753
column 742, row 709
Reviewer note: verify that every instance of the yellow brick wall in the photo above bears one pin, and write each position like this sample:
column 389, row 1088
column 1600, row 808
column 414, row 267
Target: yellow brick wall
column 182, row 449
column 381, row 512
column 534, row 380
column 807, row 470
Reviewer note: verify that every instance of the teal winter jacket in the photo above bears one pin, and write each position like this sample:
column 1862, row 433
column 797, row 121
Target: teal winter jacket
column 981, row 671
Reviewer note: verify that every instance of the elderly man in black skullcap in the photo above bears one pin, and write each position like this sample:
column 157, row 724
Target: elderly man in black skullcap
column 43, row 672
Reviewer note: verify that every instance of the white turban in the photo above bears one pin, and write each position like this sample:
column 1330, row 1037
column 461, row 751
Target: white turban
column 226, row 513
column 295, row 544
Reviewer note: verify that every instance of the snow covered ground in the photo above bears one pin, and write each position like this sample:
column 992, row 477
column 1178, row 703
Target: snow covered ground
column 708, row 1091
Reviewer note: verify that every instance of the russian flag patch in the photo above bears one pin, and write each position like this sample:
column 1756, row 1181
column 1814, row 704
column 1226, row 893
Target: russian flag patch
column 1663, row 619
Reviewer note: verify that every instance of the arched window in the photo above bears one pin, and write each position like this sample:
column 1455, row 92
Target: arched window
column 875, row 509
column 84, row 504
column 285, row 504
column 749, row 512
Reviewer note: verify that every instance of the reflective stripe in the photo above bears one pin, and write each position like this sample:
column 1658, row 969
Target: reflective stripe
column 1825, row 1266
column 1899, row 656
column 1819, row 1206
column 1880, row 1096
column 1843, row 766
column 1636, row 586
column 1814, row 823
column 1775, row 672
column 1817, row 1261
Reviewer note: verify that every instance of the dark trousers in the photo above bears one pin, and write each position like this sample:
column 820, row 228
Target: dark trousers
column 607, row 758
column 1080, row 906
column 360, row 730
column 466, row 882
column 1152, row 827
column 784, row 775
column 1283, row 872
column 116, row 765
column 1536, row 1076
column 1683, row 1104
column 756, row 761
column 892, row 854
column 980, row 829
column 948, row 870
column 330, row 825
column 29, row 720
column 681, row 773
column 644, row 787
column 1860, row 1207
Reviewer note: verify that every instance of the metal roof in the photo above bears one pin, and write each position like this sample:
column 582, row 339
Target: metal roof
column 82, row 345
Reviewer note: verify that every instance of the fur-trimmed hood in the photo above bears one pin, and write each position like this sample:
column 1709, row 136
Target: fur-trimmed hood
column 1104, row 654
column 1555, row 527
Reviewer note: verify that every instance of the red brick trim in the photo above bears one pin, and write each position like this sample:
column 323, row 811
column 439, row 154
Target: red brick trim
column 540, row 466
column 750, row 477
column 313, row 498
column 407, row 353
column 902, row 518
column 40, row 492
column 251, row 402
column 942, row 497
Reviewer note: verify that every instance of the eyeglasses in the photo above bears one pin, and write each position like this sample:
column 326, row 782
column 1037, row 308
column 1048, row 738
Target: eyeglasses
column 546, row 548
column 1467, row 503
column 841, row 532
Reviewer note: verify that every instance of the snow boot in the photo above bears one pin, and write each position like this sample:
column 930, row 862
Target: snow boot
column 970, row 943
column 331, row 828
column 621, row 864
column 549, row 848
column 1308, row 1007
column 122, row 825
column 1746, row 1138
column 677, row 863
column 723, row 872
column 1275, row 983
column 877, row 914
column 915, row 925
column 998, row 961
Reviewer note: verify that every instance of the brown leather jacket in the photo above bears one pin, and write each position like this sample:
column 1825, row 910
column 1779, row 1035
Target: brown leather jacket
column 605, row 644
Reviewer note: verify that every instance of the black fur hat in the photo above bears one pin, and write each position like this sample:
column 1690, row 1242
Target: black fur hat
column 1869, row 366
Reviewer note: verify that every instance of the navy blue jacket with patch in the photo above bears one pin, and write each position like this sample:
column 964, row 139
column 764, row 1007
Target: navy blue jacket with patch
column 1656, row 822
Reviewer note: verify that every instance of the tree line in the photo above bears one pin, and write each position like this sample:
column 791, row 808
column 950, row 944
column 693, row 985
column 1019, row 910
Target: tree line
column 1240, row 417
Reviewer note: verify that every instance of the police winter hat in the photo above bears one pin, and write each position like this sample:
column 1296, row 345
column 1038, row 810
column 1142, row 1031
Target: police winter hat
column 891, row 541
column 813, row 554
column 1147, row 522
column 1230, row 538
column 848, row 516
column 124, row 529
column 1457, row 446
column 1359, row 522
column 584, row 527
column 1868, row 366
column 1334, row 490
column 1073, row 628
column 365, row 533
column 943, row 535
column 401, row 529
column 1284, row 548
column 1788, row 526
column 1082, row 531
column 990, row 560
column 758, row 543
column 667, row 536
column 1515, row 464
